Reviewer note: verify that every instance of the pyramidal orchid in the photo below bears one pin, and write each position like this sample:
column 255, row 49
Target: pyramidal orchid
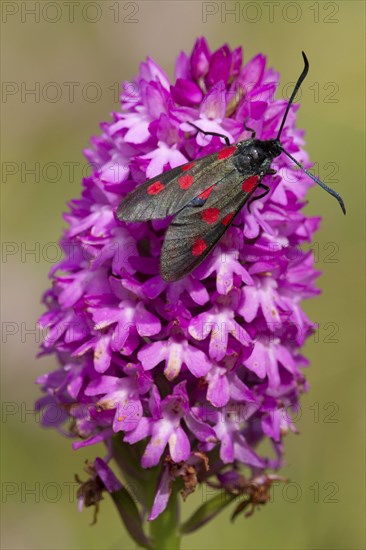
column 181, row 381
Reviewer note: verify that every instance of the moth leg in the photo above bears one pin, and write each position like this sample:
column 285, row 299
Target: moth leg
column 249, row 129
column 215, row 134
column 271, row 172
column 267, row 190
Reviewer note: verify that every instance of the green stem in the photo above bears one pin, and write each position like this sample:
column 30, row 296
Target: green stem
column 164, row 530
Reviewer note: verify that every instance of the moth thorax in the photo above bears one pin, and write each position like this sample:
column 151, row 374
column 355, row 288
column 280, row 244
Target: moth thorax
column 255, row 156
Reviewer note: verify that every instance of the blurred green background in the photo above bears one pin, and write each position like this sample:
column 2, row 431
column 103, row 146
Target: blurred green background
column 324, row 507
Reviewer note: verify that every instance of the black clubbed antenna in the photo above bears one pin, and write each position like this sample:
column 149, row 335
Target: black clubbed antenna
column 297, row 86
column 314, row 178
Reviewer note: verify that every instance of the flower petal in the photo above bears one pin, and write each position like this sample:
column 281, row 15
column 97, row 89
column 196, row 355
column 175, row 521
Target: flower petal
column 196, row 361
column 179, row 445
column 162, row 495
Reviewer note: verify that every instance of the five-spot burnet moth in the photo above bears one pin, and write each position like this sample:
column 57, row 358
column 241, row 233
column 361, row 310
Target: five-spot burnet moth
column 206, row 194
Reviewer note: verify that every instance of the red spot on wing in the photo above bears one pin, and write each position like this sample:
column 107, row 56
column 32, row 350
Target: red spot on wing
column 199, row 246
column 188, row 166
column 227, row 152
column 155, row 188
column 185, row 181
column 210, row 215
column 228, row 218
column 206, row 193
column 249, row 184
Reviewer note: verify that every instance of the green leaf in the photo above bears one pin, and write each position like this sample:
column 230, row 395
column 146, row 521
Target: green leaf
column 206, row 512
column 130, row 516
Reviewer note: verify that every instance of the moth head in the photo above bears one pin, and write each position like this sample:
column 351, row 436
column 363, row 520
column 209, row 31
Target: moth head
column 272, row 147
column 257, row 156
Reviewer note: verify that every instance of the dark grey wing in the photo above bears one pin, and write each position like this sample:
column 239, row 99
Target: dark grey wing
column 196, row 230
column 171, row 191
